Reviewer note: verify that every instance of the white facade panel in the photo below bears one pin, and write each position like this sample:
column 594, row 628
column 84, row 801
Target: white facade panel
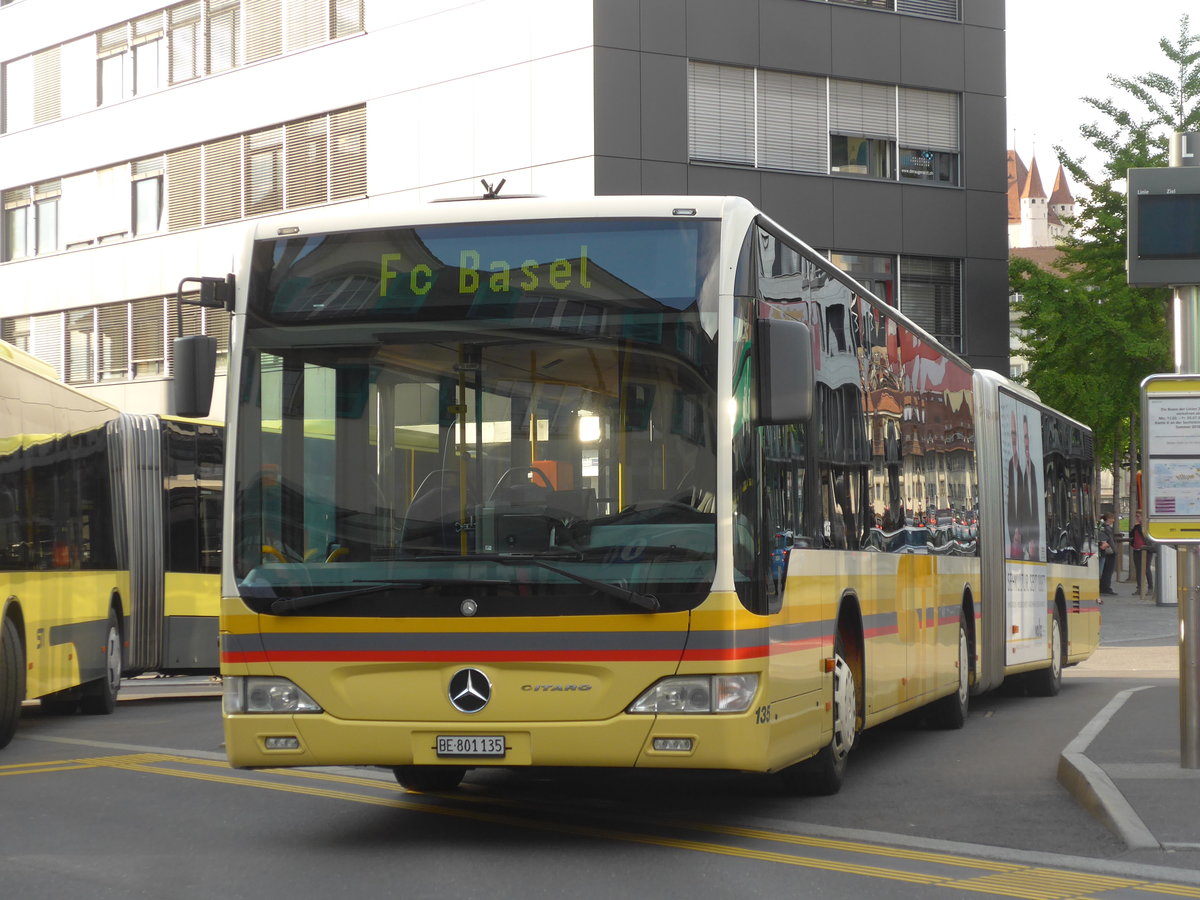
column 455, row 91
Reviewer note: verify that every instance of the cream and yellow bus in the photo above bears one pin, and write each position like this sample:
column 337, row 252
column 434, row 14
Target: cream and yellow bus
column 109, row 544
column 634, row 482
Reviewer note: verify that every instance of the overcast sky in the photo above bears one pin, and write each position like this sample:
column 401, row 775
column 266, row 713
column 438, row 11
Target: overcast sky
column 1062, row 50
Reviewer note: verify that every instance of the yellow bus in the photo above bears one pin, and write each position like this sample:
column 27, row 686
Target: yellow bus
column 109, row 544
column 622, row 481
column 172, row 483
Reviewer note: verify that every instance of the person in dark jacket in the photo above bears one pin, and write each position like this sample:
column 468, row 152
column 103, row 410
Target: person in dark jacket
column 1107, row 543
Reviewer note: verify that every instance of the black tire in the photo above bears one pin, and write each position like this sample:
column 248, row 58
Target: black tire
column 823, row 774
column 12, row 680
column 1047, row 682
column 429, row 778
column 950, row 712
column 100, row 696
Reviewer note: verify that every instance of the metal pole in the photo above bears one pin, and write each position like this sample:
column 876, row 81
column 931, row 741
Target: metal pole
column 1187, row 361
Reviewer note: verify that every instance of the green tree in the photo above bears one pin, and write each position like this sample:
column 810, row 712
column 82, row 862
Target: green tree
column 1091, row 338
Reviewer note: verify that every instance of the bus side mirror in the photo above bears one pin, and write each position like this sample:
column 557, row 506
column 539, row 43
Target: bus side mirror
column 195, row 371
column 787, row 378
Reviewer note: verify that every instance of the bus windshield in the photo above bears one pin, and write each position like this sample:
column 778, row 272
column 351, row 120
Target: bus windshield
column 497, row 419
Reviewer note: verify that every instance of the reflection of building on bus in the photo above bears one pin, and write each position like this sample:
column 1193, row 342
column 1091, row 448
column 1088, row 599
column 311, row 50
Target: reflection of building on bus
column 110, row 531
column 728, row 512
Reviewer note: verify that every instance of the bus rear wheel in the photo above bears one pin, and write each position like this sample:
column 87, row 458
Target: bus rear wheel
column 100, row 696
column 429, row 778
column 12, row 684
column 951, row 712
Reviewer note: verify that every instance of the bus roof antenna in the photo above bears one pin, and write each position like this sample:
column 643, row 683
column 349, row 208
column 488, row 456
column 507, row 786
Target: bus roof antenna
column 490, row 192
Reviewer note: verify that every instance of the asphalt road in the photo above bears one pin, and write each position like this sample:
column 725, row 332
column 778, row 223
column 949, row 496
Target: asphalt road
column 141, row 804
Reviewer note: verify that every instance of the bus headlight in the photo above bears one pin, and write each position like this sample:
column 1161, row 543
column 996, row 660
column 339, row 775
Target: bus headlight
column 698, row 694
column 259, row 694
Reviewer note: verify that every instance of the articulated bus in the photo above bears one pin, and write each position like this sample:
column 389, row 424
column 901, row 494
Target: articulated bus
column 109, row 544
column 625, row 482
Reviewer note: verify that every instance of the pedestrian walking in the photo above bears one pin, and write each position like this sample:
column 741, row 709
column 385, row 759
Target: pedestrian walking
column 1142, row 553
column 1108, row 552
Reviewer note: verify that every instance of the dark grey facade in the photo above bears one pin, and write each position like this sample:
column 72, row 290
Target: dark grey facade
column 643, row 49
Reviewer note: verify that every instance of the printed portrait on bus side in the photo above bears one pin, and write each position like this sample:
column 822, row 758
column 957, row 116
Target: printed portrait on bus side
column 1021, row 455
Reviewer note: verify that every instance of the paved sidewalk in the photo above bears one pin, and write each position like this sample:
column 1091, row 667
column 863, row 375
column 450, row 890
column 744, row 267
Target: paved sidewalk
column 1124, row 766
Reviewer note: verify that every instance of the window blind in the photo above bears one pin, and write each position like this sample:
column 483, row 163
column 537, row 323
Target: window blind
column 47, row 88
column 862, row 109
column 222, row 182
column 307, row 162
column 264, row 28
column 306, row 22
column 348, row 153
column 793, row 127
column 721, row 113
column 941, row 9
column 183, row 188
column 929, row 120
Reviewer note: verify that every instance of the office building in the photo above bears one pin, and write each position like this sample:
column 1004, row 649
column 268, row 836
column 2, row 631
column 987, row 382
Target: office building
column 136, row 139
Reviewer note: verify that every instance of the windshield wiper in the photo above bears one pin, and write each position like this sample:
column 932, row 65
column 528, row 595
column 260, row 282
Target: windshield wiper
column 285, row 605
column 643, row 601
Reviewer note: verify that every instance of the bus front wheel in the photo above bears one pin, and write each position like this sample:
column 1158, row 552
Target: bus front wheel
column 100, row 696
column 1047, row 682
column 12, row 685
column 823, row 774
column 429, row 778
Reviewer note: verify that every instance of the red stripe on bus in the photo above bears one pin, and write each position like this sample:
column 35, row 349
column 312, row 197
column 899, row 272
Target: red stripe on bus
column 447, row 656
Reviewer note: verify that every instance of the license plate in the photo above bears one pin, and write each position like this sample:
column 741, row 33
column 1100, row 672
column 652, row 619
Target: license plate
column 470, row 745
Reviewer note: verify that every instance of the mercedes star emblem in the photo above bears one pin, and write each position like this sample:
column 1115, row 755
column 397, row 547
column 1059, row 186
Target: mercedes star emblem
column 470, row 690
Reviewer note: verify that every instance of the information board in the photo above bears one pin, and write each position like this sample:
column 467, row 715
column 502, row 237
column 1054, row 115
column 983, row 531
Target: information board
column 1171, row 458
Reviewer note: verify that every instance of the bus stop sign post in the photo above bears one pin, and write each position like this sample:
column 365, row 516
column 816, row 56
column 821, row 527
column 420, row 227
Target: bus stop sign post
column 1164, row 250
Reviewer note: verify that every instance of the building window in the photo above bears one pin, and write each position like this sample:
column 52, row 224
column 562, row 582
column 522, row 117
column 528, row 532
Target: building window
column 806, row 123
column 114, row 66
column 862, row 126
column 224, row 32
column 873, row 4
column 45, row 213
column 931, row 295
column 263, row 172
column 149, row 37
column 302, row 163
column 169, row 46
column 47, row 86
column 929, row 135
column 940, row 9
column 81, row 345
column 18, row 212
column 784, row 100
column 31, row 220
column 721, row 113
column 183, row 41
column 860, row 156
column 114, row 342
column 147, row 328
column 147, row 195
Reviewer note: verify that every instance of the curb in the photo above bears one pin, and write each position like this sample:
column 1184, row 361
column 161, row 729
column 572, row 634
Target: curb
column 1094, row 790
